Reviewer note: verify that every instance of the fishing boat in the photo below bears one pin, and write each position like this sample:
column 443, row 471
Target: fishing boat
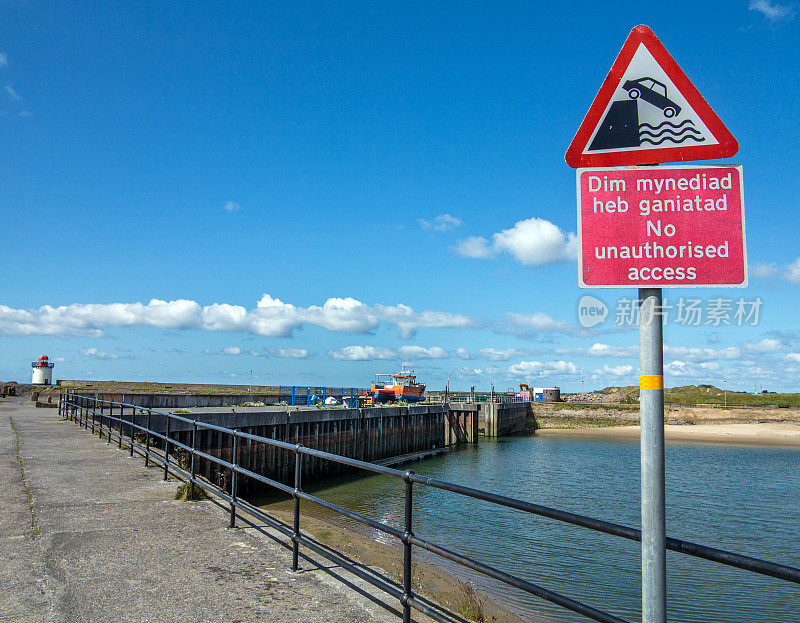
column 390, row 388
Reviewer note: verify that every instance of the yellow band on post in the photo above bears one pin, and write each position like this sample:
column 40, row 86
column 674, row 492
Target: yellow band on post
column 651, row 381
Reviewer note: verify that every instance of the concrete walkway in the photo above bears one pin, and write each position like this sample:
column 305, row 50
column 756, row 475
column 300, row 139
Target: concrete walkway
column 112, row 545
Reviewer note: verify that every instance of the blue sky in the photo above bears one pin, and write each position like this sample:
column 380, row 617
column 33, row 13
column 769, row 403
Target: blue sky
column 317, row 193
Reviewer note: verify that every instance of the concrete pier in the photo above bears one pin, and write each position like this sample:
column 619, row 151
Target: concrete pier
column 89, row 534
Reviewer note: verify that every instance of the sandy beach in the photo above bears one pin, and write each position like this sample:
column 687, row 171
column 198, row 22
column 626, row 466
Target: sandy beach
column 779, row 434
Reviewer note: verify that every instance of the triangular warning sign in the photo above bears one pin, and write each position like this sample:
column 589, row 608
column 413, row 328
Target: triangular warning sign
column 648, row 111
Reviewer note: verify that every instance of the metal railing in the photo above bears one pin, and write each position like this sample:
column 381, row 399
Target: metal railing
column 302, row 395
column 98, row 415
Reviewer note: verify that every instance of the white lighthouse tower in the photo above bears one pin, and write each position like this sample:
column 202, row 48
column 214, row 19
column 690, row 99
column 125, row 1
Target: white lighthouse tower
column 42, row 371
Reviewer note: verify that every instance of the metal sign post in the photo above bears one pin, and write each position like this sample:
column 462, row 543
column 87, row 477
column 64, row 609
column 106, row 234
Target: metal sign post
column 652, row 228
column 651, row 409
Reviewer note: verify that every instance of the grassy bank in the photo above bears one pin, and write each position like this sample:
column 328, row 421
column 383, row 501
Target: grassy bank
column 566, row 420
column 707, row 394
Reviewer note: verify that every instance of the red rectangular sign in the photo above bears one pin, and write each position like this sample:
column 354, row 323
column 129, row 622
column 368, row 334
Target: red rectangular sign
column 661, row 227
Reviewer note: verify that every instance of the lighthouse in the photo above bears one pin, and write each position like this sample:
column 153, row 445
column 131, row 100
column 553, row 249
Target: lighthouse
column 42, row 371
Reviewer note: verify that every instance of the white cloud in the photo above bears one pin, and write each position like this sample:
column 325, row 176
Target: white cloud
column 343, row 315
column 792, row 273
column 408, row 321
column 767, row 345
column 702, row 354
column 368, row 353
column 3, row 59
column 533, row 242
column 289, row 353
column 474, row 246
column 793, row 357
column 443, row 222
column 420, row 352
column 621, row 370
column 495, row 354
column 462, row 353
column 764, row 271
column 691, row 369
column 468, row 372
column 12, row 94
column 788, row 272
column 538, row 368
column 772, row 10
column 97, row 354
column 540, row 321
column 282, row 353
column 90, row 319
column 604, row 350
column 362, row 353
column 271, row 317
column 231, row 206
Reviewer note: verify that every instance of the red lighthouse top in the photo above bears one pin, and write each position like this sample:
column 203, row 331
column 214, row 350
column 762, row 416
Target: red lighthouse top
column 42, row 362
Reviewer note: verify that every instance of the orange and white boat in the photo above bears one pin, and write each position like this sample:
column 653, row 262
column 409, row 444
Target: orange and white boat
column 396, row 387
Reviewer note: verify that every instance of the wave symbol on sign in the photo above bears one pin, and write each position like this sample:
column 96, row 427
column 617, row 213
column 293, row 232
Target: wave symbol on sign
column 673, row 132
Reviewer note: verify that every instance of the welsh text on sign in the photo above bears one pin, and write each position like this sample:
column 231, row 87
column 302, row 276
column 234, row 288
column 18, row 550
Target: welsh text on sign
column 661, row 227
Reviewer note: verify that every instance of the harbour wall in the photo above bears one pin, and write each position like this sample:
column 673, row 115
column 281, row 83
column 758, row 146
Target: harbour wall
column 184, row 401
column 369, row 434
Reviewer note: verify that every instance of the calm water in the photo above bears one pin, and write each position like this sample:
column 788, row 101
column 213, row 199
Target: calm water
column 738, row 498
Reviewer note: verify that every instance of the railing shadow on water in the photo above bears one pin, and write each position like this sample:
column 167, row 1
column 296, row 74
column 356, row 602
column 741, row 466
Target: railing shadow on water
column 98, row 415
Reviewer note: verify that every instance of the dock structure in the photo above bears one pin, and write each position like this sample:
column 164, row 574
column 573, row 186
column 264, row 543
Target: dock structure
column 498, row 419
column 369, row 434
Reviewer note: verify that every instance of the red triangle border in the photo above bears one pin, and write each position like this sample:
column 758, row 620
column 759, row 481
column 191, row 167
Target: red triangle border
column 728, row 146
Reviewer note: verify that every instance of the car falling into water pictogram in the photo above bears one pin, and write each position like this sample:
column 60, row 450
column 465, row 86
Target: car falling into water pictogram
column 653, row 92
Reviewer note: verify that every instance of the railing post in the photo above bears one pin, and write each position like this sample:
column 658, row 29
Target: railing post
column 166, row 450
column 147, row 440
column 119, row 429
column 298, row 464
column 407, row 534
column 191, row 470
column 234, row 479
column 110, row 418
column 90, row 409
column 130, row 429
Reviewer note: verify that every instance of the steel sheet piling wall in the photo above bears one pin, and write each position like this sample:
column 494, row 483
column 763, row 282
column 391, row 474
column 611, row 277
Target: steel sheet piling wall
column 363, row 434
